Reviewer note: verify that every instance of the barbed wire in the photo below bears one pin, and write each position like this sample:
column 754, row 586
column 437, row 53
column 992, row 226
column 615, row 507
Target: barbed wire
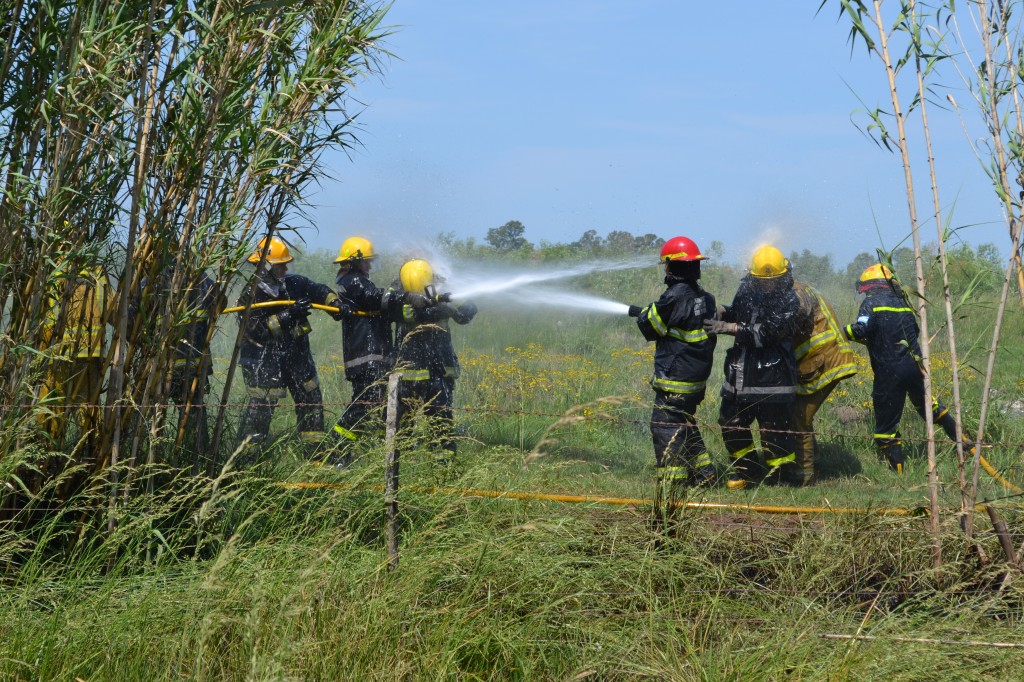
column 580, row 415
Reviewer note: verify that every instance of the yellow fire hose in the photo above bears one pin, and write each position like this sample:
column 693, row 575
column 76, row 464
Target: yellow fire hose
column 634, row 501
column 272, row 304
column 991, row 471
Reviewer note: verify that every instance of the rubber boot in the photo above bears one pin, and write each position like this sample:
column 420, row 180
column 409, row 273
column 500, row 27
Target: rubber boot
column 893, row 453
column 703, row 477
column 789, row 474
column 745, row 470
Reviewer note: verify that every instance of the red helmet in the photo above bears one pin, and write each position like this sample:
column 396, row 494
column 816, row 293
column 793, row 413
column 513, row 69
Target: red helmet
column 681, row 249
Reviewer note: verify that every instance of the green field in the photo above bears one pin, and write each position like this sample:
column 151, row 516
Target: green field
column 240, row 578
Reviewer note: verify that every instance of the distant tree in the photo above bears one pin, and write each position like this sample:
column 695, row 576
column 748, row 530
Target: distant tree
column 508, row 237
column 716, row 249
column 859, row 263
column 989, row 253
column 648, row 242
column 811, row 267
column 619, row 240
column 590, row 241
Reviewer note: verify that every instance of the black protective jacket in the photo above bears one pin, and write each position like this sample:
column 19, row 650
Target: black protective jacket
column 887, row 325
column 760, row 364
column 366, row 338
column 264, row 332
column 424, row 340
column 203, row 300
column 683, row 352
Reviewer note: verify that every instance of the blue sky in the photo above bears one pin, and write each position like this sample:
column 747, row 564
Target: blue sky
column 648, row 116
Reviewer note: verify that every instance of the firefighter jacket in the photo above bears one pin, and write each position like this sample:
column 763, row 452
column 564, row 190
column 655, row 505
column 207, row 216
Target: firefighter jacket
column 683, row 351
column 887, row 325
column 264, row 331
column 760, row 365
column 366, row 338
column 81, row 321
column 424, row 340
column 820, row 349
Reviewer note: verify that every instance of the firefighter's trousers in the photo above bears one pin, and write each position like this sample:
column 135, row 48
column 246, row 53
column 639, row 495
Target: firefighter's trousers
column 891, row 389
column 434, row 396
column 679, row 451
column 72, row 389
column 775, row 424
column 365, row 412
column 804, row 409
column 188, row 390
column 268, row 378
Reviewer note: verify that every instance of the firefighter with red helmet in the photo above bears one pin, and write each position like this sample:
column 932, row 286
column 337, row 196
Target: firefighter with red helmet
column 683, row 357
column 275, row 355
column 760, row 371
column 425, row 355
column 887, row 325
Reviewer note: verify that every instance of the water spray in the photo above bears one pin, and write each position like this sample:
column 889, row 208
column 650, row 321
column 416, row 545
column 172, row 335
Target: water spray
column 468, row 285
column 540, row 296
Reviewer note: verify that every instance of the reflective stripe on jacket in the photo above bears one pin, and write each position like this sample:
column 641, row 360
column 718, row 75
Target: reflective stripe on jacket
column 887, row 325
column 820, row 349
column 684, row 352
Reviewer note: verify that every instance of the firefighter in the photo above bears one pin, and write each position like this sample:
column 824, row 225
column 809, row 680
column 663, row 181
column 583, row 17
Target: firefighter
column 275, row 354
column 760, row 371
column 191, row 365
column 75, row 335
column 425, row 355
column 367, row 340
column 824, row 358
column 683, row 357
column 887, row 325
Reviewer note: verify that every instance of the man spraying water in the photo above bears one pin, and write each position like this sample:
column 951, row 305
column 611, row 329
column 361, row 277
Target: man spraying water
column 683, row 357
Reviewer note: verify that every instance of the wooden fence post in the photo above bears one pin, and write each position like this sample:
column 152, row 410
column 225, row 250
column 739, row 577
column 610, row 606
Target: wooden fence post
column 391, row 470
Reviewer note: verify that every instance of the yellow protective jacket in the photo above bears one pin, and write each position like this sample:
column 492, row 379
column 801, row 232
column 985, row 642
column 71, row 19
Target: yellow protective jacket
column 822, row 353
column 86, row 315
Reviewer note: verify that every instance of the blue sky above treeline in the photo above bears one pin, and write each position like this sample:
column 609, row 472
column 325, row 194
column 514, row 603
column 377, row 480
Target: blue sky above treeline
column 648, row 116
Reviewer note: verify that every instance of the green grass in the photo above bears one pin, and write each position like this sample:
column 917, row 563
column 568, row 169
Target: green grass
column 256, row 581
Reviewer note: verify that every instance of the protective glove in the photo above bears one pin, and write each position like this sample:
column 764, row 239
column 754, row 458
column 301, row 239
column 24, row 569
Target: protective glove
column 634, row 311
column 344, row 310
column 417, row 301
column 468, row 309
column 719, row 327
column 295, row 313
column 447, row 309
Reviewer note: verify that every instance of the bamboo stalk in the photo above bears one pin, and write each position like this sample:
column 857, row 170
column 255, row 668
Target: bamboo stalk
column 391, row 470
column 922, row 311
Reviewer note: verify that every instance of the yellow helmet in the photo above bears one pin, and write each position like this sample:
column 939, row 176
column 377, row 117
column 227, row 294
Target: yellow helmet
column 876, row 274
column 416, row 276
column 768, row 262
column 354, row 248
column 277, row 253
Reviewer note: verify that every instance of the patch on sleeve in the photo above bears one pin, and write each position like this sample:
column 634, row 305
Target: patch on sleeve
column 863, row 319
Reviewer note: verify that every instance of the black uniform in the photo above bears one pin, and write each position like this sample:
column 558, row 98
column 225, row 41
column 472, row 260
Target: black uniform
column 429, row 367
column 276, row 358
column 683, row 358
column 888, row 327
column 188, row 380
column 760, row 375
column 367, row 346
